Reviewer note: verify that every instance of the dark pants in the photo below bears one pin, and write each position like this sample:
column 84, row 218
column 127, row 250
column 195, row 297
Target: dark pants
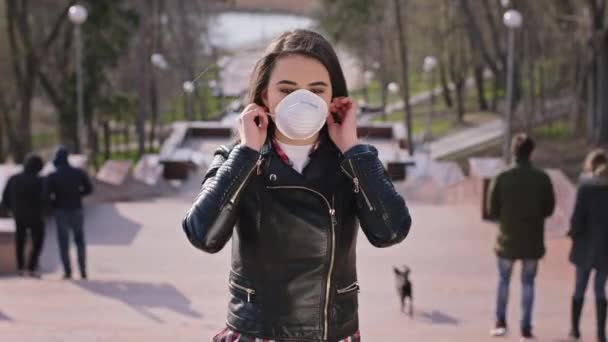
column 582, row 279
column 36, row 232
column 71, row 220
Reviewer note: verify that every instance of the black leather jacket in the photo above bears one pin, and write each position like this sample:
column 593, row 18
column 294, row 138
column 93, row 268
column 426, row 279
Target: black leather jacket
column 294, row 236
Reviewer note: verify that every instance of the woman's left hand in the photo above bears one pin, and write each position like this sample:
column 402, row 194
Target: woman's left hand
column 344, row 132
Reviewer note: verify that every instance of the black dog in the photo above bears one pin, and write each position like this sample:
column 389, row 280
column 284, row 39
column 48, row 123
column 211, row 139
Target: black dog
column 404, row 288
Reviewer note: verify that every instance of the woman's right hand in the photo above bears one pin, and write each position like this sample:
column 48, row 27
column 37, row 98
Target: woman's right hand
column 253, row 135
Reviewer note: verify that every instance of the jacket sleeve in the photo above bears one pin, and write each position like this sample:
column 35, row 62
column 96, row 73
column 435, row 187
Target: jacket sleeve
column 5, row 201
column 210, row 221
column 493, row 200
column 578, row 221
column 86, row 188
column 549, row 198
column 382, row 212
column 48, row 190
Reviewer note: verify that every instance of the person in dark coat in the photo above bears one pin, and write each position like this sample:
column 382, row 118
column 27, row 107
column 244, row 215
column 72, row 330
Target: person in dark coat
column 589, row 234
column 65, row 188
column 520, row 198
column 23, row 197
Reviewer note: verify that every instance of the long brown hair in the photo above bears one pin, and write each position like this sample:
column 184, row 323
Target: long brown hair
column 302, row 42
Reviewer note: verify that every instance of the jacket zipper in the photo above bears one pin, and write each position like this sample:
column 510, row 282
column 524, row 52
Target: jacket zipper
column 332, row 214
column 358, row 187
column 352, row 287
column 250, row 292
column 238, row 191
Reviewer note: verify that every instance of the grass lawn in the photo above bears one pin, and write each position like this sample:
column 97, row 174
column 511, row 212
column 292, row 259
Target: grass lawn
column 122, row 155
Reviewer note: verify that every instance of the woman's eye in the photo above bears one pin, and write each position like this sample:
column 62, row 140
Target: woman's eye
column 286, row 91
column 318, row 91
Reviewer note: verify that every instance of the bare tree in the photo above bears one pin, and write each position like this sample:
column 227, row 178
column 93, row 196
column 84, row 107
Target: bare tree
column 458, row 62
column 598, row 101
column 26, row 48
column 405, row 87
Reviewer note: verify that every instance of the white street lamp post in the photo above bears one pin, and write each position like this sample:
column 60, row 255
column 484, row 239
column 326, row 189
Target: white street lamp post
column 430, row 62
column 188, row 87
column 368, row 76
column 512, row 20
column 78, row 15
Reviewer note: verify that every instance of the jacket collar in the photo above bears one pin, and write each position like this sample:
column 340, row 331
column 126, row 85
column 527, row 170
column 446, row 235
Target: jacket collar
column 320, row 174
column 523, row 162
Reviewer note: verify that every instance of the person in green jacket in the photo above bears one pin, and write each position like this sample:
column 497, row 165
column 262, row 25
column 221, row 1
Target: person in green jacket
column 520, row 199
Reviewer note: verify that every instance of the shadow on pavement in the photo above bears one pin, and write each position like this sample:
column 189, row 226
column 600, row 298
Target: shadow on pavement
column 143, row 297
column 103, row 225
column 5, row 318
column 438, row 317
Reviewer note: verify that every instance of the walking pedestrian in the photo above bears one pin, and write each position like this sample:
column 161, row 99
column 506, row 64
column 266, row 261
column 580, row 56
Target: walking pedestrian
column 589, row 234
column 23, row 197
column 66, row 187
column 520, row 199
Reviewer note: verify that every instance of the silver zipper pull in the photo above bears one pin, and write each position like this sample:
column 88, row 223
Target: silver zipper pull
column 258, row 165
column 248, row 297
column 356, row 181
column 332, row 212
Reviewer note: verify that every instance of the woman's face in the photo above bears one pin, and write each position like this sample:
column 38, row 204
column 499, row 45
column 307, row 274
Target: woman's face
column 293, row 72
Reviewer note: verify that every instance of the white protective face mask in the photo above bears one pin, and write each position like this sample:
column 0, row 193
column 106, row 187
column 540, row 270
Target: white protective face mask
column 301, row 114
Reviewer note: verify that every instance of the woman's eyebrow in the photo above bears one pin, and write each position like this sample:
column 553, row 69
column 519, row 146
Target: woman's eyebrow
column 287, row 82
column 318, row 83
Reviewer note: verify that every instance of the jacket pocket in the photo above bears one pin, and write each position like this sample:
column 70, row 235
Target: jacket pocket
column 345, row 304
column 352, row 288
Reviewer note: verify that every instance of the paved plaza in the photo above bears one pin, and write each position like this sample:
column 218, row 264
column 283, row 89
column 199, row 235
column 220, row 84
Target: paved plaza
column 148, row 284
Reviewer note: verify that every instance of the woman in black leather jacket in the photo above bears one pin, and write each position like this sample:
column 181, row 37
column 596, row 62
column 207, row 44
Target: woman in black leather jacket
column 294, row 218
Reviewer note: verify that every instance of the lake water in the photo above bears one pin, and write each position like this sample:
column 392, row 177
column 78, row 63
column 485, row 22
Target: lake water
column 237, row 29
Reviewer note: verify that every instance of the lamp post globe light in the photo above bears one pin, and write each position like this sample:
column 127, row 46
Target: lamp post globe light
column 393, row 87
column 78, row 15
column 513, row 20
column 430, row 62
column 188, row 87
column 159, row 61
column 164, row 19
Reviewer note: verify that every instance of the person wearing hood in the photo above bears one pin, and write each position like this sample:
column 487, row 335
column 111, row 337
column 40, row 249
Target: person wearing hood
column 23, row 196
column 66, row 187
column 589, row 234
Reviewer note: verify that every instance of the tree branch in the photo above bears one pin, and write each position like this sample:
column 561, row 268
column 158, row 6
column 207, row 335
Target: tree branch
column 493, row 29
column 24, row 27
column 5, row 109
column 47, row 84
column 11, row 13
column 477, row 38
column 59, row 22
